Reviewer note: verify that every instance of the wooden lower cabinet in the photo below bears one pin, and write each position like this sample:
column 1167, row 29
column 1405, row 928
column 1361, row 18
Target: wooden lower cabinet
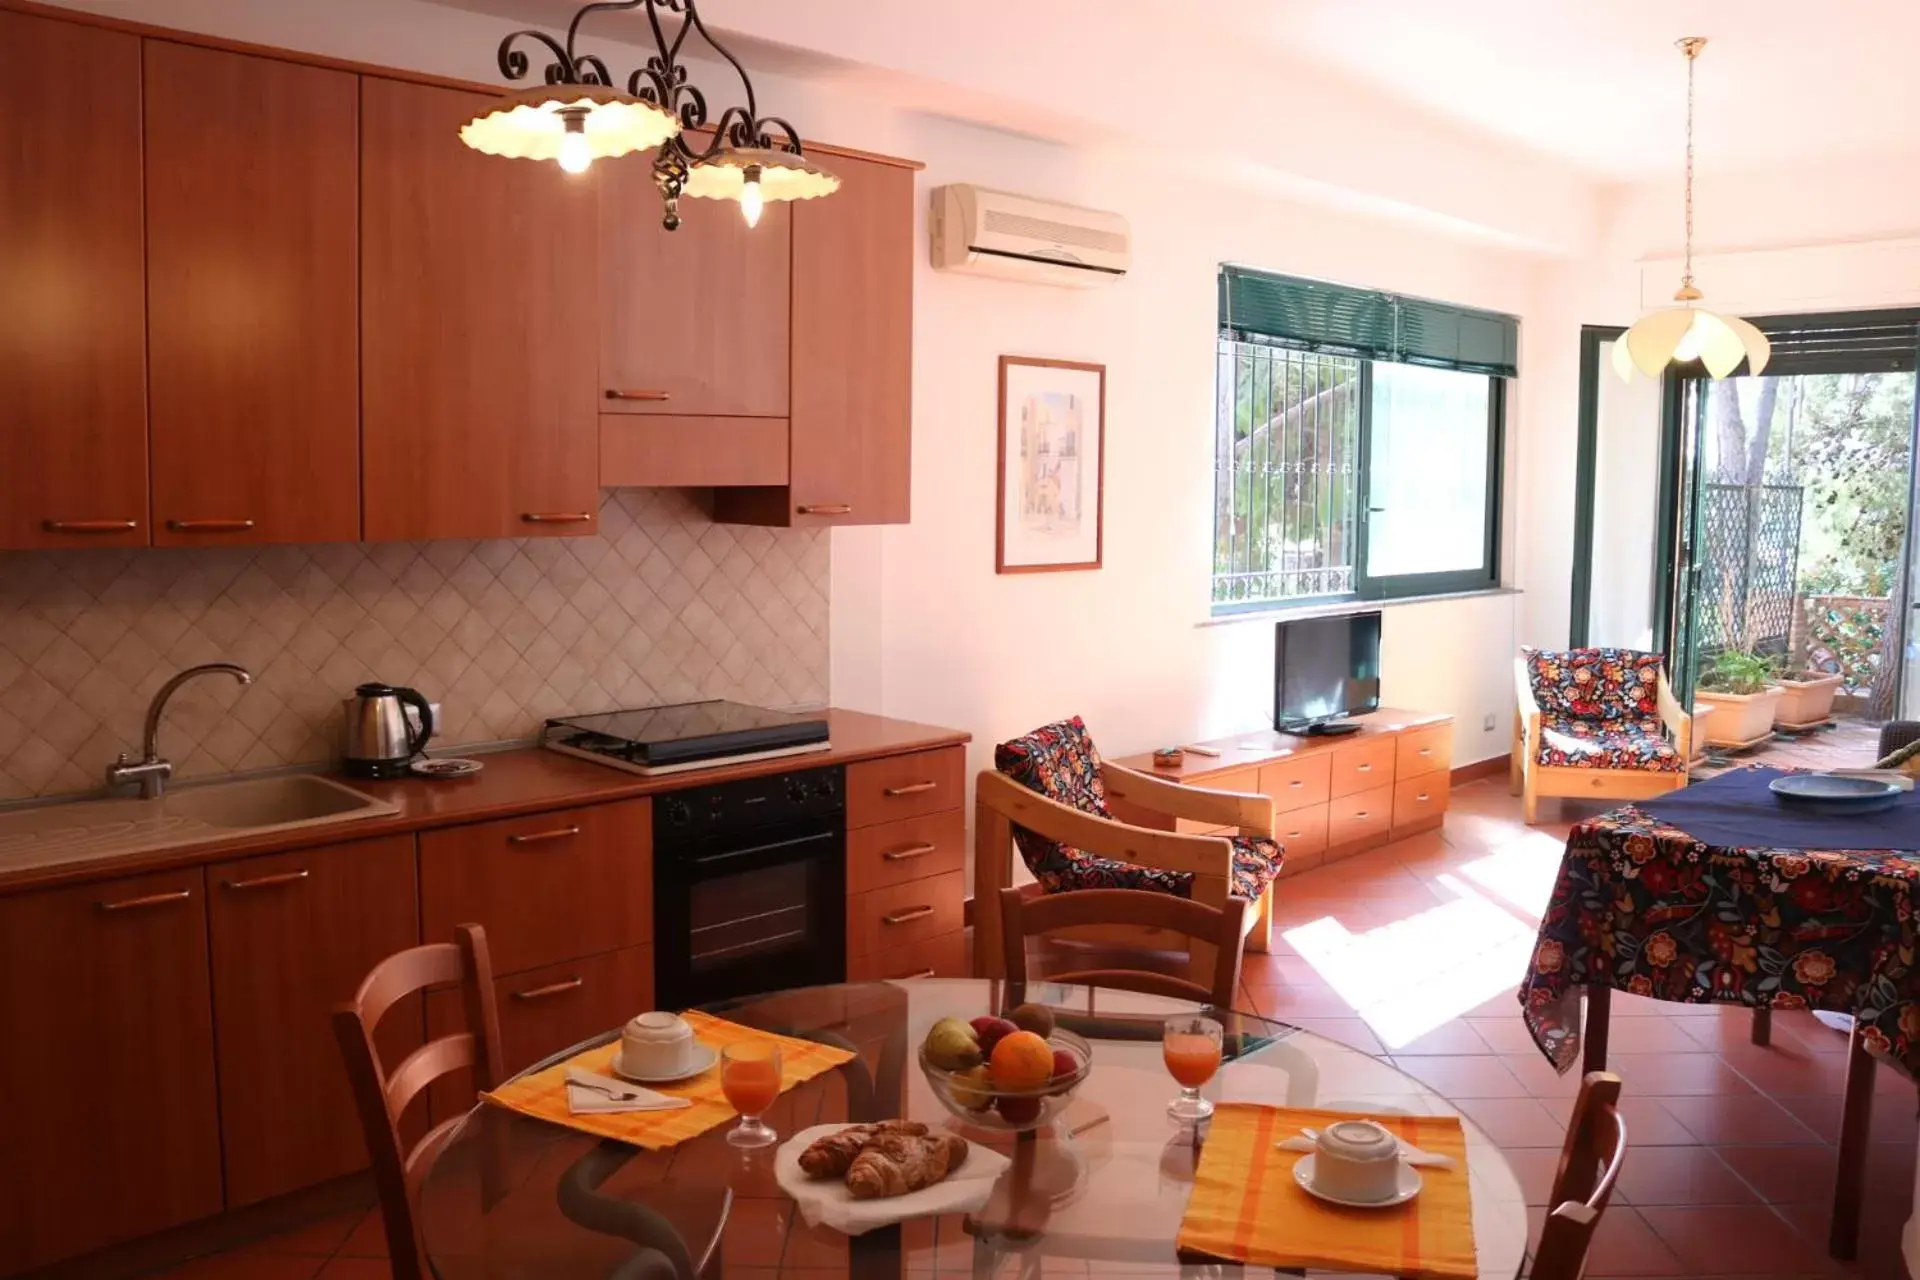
column 1303, row 834
column 1420, row 802
column 909, row 849
column 1360, row 820
column 912, row 912
column 944, row 956
column 107, row 1065
column 294, row 934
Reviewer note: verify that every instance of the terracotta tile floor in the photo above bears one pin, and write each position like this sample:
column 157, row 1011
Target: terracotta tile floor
column 1412, row 952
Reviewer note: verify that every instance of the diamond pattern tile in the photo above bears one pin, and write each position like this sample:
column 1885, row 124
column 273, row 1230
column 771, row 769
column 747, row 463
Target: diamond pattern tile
column 661, row 606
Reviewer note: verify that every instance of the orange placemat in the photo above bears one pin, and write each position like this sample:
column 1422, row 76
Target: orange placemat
column 1246, row 1207
column 543, row 1095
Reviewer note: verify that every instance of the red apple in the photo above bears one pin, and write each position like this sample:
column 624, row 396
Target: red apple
column 1018, row 1110
column 989, row 1029
column 1064, row 1064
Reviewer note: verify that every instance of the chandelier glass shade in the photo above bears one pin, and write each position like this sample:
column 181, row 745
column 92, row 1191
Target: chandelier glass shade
column 536, row 124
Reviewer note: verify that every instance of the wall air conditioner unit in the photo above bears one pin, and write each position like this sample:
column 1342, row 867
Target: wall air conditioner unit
column 996, row 233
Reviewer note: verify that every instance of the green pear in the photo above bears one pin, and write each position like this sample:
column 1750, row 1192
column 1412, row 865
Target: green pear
column 951, row 1045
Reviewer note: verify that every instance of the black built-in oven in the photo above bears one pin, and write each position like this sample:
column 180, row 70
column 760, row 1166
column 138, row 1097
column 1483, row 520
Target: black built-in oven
column 749, row 885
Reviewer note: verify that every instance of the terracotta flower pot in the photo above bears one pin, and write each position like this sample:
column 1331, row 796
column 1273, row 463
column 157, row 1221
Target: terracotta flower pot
column 1807, row 700
column 1738, row 718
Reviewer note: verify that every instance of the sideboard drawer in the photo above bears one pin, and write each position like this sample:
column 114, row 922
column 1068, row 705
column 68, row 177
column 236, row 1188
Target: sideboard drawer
column 1303, row 834
column 1361, row 765
column 1360, row 817
column 1420, row 801
column 906, row 786
column 910, row 849
column 941, row 957
column 912, row 912
column 1424, row 751
column 1295, row 784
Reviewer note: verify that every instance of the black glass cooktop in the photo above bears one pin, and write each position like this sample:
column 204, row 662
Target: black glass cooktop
column 685, row 733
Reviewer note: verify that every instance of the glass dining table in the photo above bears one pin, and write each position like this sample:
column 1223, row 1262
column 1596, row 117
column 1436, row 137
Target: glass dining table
column 1106, row 1184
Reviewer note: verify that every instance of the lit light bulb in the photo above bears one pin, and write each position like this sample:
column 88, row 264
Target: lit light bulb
column 575, row 152
column 751, row 201
column 1689, row 348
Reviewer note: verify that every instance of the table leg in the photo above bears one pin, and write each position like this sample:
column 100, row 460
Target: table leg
column 1599, row 1014
column 1844, row 1239
column 1763, row 1027
column 879, row 1254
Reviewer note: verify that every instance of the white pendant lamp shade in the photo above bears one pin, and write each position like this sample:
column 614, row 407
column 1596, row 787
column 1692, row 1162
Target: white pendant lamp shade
column 779, row 175
column 1685, row 334
column 570, row 123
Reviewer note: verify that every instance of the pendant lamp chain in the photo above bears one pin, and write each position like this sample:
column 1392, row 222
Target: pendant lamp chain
column 1690, row 46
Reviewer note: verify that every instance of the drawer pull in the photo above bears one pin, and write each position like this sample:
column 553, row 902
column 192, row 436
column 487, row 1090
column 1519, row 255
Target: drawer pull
column 614, row 393
column 909, row 977
column 825, row 509
column 267, row 882
column 1421, row 796
column 1294, row 835
column 89, row 526
column 911, row 851
column 1365, row 768
column 148, row 900
column 551, row 989
column 536, row 837
column 209, row 526
column 1363, row 814
column 1297, row 783
column 556, row 517
column 1426, row 751
column 911, row 789
column 911, row 913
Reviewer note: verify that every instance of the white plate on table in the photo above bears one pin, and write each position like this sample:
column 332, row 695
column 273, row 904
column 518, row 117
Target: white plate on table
column 1407, row 1188
column 704, row 1056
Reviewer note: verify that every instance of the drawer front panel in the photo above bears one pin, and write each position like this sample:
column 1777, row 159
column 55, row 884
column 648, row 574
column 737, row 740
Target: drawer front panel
column 910, row 849
column 1423, row 751
column 1303, row 834
column 899, row 914
column 1295, row 784
column 547, row 887
column 1420, row 801
column 1363, row 765
column 1246, row 782
column 1364, row 815
column 941, row 957
column 905, row 786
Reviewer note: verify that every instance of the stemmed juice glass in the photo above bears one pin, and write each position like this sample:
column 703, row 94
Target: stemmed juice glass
column 750, row 1078
column 1191, row 1047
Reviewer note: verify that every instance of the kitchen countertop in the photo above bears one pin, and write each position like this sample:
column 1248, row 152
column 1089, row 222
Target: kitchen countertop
column 515, row 782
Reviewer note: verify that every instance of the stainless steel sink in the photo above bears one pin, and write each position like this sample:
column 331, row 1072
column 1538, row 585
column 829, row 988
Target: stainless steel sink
column 48, row 835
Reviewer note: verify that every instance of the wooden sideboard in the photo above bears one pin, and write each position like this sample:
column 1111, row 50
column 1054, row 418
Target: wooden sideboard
column 1333, row 797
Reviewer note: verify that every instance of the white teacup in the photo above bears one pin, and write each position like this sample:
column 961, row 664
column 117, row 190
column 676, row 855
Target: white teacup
column 1357, row 1160
column 656, row 1044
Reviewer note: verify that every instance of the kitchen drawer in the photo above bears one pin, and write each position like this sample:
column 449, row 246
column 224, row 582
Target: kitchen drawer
column 1362, row 765
column 1362, row 817
column 1297, row 783
column 941, row 957
column 1302, row 833
column 1244, row 782
column 1423, row 751
column 910, row 849
column 905, row 786
column 1420, row 801
column 547, row 887
column 899, row 914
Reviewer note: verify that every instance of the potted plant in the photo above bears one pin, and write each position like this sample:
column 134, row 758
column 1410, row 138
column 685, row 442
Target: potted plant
column 1806, row 698
column 1739, row 687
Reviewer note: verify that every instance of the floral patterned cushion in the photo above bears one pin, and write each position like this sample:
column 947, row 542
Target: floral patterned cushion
column 1573, row 742
column 1595, row 684
column 1059, row 762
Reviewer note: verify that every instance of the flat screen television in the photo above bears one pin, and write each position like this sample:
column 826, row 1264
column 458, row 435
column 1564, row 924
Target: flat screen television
column 1325, row 670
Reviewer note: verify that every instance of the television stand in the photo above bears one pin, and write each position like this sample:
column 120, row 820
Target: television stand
column 1325, row 729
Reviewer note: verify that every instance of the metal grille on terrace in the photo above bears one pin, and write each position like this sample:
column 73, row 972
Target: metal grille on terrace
column 1286, row 478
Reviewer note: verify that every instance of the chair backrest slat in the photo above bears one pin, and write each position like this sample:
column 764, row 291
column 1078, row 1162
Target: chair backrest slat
column 1590, row 1162
column 1022, row 917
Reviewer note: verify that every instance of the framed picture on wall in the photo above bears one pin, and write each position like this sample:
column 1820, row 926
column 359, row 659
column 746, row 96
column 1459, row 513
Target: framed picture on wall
column 1053, row 428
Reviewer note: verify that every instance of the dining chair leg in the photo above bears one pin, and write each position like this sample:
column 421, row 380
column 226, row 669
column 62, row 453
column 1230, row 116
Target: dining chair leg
column 1763, row 1027
column 1856, row 1117
column 1599, row 1016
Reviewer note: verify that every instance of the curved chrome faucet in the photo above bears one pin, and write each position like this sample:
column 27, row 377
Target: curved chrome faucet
column 151, row 772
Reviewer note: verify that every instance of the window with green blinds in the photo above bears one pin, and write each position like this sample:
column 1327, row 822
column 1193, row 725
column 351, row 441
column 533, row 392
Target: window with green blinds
column 1312, row 315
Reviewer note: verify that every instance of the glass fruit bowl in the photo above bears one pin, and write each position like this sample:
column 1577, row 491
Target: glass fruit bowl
column 976, row 1100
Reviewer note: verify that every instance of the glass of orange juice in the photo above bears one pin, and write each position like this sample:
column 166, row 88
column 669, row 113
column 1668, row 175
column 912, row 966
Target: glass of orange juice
column 750, row 1077
column 1191, row 1047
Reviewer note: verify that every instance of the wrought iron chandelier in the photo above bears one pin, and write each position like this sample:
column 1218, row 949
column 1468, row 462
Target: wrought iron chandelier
column 579, row 116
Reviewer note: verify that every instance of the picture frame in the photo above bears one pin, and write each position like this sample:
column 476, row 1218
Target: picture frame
column 1050, row 495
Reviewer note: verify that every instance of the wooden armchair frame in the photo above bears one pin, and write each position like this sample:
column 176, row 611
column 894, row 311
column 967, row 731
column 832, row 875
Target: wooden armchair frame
column 1529, row 778
column 1001, row 804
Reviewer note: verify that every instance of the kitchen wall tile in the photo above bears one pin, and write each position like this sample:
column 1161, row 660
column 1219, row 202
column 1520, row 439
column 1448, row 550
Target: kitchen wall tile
column 662, row 605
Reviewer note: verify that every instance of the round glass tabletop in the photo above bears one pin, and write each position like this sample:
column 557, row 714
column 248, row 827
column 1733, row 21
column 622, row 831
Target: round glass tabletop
column 1108, row 1182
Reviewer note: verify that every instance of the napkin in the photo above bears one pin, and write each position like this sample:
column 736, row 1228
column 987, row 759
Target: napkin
column 594, row 1100
column 965, row 1190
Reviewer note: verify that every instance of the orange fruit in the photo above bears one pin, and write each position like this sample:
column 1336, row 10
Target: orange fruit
column 1022, row 1060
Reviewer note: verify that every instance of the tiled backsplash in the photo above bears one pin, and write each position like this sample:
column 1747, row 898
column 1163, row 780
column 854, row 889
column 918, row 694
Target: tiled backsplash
column 661, row 606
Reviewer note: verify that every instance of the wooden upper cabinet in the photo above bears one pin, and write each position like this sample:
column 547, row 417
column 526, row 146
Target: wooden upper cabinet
column 252, row 298
column 851, row 404
column 479, row 356
column 73, row 411
column 692, row 322
column 106, row 1058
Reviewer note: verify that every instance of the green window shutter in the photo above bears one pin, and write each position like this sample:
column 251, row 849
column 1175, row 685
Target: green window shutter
column 1317, row 316
column 1449, row 337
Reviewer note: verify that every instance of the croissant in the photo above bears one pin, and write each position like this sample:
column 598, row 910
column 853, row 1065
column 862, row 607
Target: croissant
column 832, row 1155
column 893, row 1164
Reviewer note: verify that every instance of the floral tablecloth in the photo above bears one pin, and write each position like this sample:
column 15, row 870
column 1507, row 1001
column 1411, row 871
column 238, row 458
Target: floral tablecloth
column 1641, row 906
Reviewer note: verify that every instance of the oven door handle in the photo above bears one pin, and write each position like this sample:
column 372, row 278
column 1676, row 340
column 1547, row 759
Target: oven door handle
column 760, row 852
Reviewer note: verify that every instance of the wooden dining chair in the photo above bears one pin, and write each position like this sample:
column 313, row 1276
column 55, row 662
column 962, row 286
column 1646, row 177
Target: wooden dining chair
column 1590, row 1161
column 1214, row 931
column 382, row 1097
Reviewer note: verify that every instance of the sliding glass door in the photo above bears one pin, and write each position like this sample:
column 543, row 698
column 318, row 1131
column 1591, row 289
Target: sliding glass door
column 1624, row 493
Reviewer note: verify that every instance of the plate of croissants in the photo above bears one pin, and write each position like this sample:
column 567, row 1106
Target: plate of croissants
column 855, row 1177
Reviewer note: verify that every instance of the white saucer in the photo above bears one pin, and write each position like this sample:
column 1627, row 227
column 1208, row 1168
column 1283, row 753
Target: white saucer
column 1408, row 1188
column 704, row 1056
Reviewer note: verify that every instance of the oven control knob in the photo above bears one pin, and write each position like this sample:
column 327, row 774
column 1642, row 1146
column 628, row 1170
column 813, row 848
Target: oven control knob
column 796, row 790
column 824, row 787
column 679, row 812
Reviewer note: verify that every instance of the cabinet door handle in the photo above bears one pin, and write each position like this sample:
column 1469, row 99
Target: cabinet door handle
column 911, row 913
column 911, row 851
column 909, row 977
column 556, row 517
column 89, row 526
column 209, row 526
column 910, row 789
column 825, row 509
column 535, row 837
column 267, row 882
column 147, row 900
column 614, row 393
column 551, row 989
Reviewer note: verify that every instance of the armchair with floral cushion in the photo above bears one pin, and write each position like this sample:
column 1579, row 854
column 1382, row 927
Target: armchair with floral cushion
column 1047, row 797
column 1596, row 723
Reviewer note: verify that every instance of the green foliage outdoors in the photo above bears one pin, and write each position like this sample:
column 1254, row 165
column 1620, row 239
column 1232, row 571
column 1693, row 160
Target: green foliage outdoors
column 1737, row 671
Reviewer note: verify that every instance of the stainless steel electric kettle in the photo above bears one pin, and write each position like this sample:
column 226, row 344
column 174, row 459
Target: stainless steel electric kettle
column 381, row 739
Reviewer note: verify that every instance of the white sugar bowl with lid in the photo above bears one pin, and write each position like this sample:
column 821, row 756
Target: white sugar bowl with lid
column 1357, row 1161
column 657, row 1045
